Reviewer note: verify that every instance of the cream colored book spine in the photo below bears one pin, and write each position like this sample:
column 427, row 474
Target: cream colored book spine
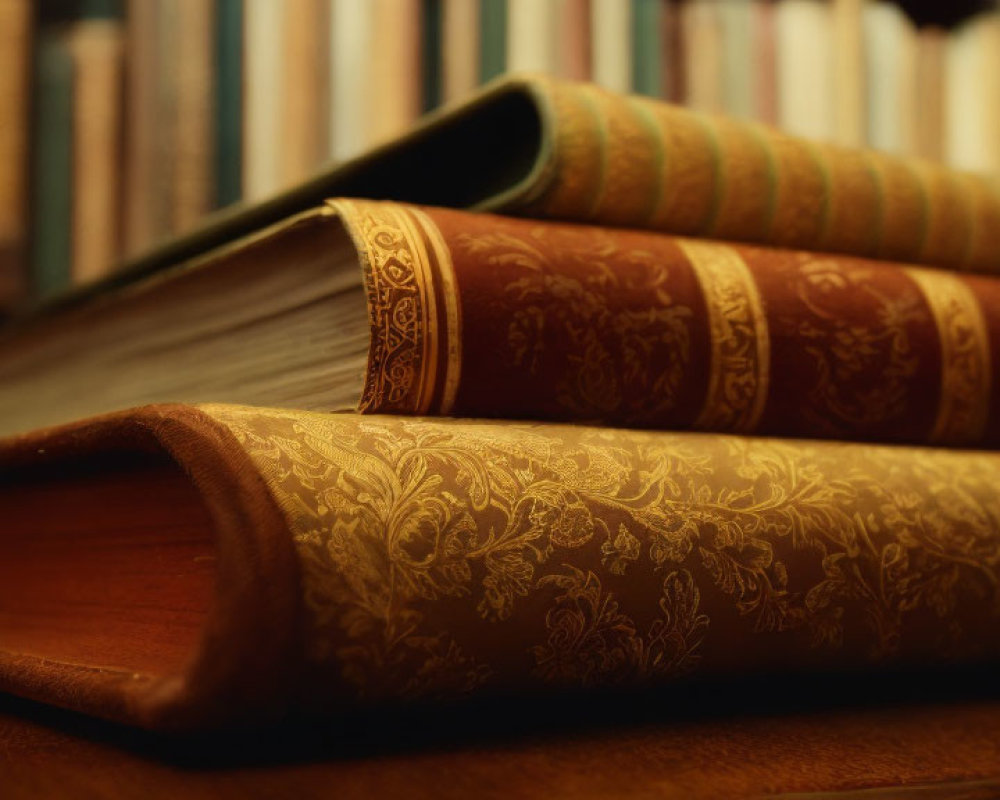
column 701, row 33
column 739, row 59
column 848, row 73
column 304, row 114
column 891, row 63
column 531, row 36
column 96, row 47
column 263, row 68
column 972, row 95
column 145, row 216
column 805, row 68
column 932, row 43
column 194, row 68
column 395, row 69
column 352, row 32
column 611, row 43
column 460, row 37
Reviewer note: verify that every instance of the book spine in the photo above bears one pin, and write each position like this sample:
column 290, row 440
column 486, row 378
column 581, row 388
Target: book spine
column 52, row 203
column 460, row 50
column 15, row 120
column 432, row 55
column 972, row 117
column 492, row 39
column 611, row 43
column 263, row 64
column 522, row 319
column 352, row 37
column 95, row 47
column 574, row 40
column 805, row 68
column 145, row 213
column 305, row 51
column 891, row 59
column 531, row 37
column 849, row 72
column 228, row 137
column 636, row 162
column 930, row 89
column 193, row 64
column 394, row 68
column 648, row 52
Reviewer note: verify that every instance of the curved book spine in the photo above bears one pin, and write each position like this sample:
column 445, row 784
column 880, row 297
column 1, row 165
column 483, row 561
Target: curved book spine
column 480, row 315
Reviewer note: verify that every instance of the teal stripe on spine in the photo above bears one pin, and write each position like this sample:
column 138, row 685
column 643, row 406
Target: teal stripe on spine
column 228, row 101
column 431, row 54
column 718, row 177
column 771, row 200
column 878, row 220
column 492, row 38
column 655, row 135
column 925, row 213
column 601, row 129
column 647, row 49
column 827, row 204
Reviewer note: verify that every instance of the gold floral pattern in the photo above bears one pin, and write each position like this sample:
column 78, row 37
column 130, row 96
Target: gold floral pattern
column 740, row 365
column 616, row 339
column 864, row 362
column 443, row 557
column 965, row 356
column 412, row 304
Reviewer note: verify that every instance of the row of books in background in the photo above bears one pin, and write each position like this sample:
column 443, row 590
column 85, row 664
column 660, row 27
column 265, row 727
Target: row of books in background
column 145, row 115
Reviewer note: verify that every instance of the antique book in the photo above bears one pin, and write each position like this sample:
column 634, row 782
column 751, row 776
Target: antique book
column 416, row 310
column 459, row 49
column 805, row 68
column 15, row 122
column 212, row 564
column 96, row 49
column 540, row 147
column 52, row 166
column 894, row 107
column 972, row 80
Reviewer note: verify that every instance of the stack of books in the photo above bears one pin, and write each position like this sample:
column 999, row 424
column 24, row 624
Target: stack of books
column 576, row 449
column 216, row 101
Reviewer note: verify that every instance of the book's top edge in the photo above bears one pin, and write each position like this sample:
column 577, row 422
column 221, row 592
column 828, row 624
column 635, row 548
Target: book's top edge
column 231, row 224
column 94, row 293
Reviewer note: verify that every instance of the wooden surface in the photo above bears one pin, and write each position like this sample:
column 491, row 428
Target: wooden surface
column 624, row 747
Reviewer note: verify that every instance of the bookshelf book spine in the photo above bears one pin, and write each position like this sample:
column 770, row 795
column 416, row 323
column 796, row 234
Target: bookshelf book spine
column 15, row 120
column 228, row 138
column 52, row 166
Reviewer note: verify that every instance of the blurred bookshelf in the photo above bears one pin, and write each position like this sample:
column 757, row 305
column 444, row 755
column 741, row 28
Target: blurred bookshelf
column 125, row 122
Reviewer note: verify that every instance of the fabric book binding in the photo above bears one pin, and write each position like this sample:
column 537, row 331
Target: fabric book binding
column 206, row 565
column 388, row 307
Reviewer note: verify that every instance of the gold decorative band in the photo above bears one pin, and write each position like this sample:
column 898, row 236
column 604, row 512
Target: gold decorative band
column 414, row 358
column 740, row 345
column 963, row 407
column 451, row 312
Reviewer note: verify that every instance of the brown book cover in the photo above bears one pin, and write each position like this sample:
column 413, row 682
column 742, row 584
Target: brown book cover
column 388, row 307
column 233, row 563
column 545, row 148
